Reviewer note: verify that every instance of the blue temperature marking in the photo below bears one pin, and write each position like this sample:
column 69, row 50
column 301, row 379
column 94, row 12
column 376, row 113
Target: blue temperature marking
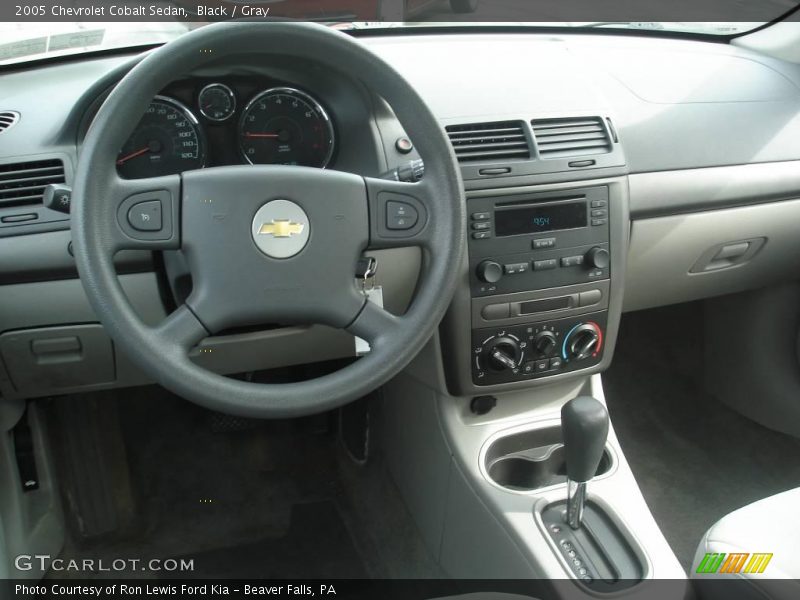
column 566, row 337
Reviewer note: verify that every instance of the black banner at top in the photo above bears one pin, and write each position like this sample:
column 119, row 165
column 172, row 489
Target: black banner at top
column 644, row 13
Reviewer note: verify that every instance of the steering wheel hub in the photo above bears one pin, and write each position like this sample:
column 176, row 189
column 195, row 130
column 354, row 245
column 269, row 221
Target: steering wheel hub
column 281, row 228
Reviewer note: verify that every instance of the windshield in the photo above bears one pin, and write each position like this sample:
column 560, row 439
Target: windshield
column 60, row 28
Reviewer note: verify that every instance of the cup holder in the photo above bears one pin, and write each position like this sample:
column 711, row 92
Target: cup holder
column 531, row 460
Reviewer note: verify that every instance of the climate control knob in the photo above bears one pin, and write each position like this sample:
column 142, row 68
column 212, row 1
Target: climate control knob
column 597, row 258
column 502, row 353
column 545, row 343
column 582, row 341
column 489, row 271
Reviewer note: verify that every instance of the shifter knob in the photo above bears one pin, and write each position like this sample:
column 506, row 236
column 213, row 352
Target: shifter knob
column 584, row 427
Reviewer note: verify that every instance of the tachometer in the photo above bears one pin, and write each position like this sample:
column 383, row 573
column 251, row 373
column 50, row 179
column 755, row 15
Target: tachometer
column 288, row 127
column 217, row 102
column 168, row 140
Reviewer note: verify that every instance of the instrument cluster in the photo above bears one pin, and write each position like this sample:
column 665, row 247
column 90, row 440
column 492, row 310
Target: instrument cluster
column 198, row 124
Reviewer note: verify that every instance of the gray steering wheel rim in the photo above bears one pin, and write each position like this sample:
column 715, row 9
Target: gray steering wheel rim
column 164, row 359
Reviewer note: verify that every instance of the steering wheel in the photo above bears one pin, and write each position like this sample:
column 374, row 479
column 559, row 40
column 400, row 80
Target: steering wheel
column 267, row 244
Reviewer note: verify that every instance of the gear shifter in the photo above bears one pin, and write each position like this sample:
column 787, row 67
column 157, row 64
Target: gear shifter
column 584, row 426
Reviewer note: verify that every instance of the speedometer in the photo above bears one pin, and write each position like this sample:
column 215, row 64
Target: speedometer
column 287, row 127
column 168, row 140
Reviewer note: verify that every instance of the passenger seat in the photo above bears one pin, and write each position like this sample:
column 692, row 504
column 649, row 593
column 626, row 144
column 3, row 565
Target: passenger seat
column 767, row 527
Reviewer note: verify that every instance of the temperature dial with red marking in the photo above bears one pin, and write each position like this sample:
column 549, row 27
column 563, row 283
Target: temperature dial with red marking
column 583, row 341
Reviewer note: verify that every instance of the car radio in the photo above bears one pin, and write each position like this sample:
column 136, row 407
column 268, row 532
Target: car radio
column 539, row 265
column 536, row 241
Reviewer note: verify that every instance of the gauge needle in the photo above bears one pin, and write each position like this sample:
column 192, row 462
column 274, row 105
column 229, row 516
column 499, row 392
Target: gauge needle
column 261, row 135
column 126, row 158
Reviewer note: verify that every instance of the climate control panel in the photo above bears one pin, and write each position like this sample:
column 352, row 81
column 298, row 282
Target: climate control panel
column 521, row 352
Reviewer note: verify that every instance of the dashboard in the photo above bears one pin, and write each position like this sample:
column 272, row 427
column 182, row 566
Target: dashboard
column 686, row 174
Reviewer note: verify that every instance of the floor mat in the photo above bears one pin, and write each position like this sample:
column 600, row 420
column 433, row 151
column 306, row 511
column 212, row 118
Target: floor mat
column 695, row 459
column 316, row 546
column 243, row 499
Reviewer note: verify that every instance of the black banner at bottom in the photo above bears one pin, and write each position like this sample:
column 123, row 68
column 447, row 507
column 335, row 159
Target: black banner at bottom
column 405, row 589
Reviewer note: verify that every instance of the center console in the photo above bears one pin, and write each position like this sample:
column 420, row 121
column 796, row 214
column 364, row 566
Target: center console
column 520, row 245
column 540, row 262
column 476, row 435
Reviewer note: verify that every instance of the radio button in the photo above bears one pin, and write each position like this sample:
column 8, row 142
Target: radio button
column 545, row 265
column 599, row 213
column 544, row 243
column 590, row 298
column 481, row 216
column 495, row 311
column 481, row 235
column 489, row 271
column 515, row 268
column 572, row 261
column 598, row 203
column 481, row 225
column 598, row 258
column 596, row 222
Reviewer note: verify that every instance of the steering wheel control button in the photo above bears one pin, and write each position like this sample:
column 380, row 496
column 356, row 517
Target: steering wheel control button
column 400, row 216
column 280, row 229
column 146, row 216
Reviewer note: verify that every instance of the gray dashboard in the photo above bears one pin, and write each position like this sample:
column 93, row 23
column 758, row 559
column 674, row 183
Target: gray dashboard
column 708, row 131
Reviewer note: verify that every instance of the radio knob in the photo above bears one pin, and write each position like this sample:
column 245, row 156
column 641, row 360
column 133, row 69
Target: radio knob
column 582, row 341
column 597, row 258
column 489, row 271
column 545, row 342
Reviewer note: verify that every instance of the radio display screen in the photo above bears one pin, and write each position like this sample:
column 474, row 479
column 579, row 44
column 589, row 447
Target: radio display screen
column 543, row 217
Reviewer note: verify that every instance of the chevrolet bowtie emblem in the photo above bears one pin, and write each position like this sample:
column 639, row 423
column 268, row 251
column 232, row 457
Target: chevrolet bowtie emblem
column 281, row 228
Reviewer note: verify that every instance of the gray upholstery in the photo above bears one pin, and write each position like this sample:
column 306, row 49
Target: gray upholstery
column 771, row 525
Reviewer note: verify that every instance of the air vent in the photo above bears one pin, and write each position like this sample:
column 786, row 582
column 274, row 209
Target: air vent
column 7, row 119
column 501, row 140
column 22, row 184
column 580, row 136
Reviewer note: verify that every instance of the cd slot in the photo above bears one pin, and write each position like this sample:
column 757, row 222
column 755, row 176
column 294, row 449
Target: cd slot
column 536, row 306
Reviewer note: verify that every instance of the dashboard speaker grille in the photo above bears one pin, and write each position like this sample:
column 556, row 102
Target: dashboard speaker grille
column 500, row 140
column 568, row 137
column 7, row 119
column 22, row 184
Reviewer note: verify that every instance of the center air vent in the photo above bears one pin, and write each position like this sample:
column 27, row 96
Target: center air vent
column 500, row 140
column 22, row 184
column 7, row 119
column 579, row 136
